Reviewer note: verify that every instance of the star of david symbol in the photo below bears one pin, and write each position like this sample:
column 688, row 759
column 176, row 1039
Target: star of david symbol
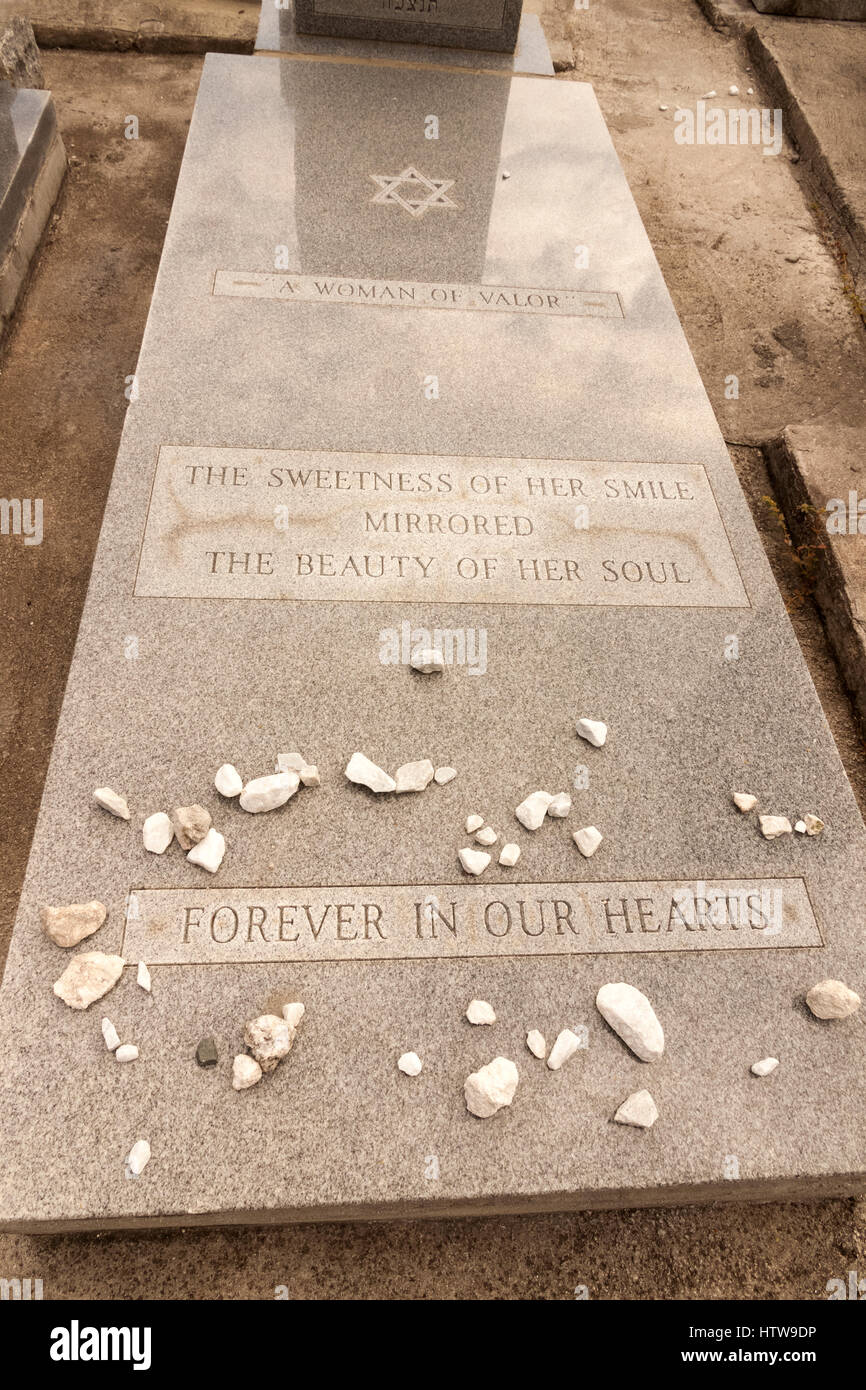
column 413, row 191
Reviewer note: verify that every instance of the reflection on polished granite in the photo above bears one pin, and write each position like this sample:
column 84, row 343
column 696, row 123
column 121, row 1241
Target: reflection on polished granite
column 277, row 34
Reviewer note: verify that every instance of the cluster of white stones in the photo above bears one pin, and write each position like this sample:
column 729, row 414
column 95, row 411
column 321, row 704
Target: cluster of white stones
column 268, row 1039
column 772, row 827
column 410, row 777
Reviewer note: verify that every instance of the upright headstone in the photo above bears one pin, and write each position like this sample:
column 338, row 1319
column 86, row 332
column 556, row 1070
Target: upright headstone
column 407, row 382
column 482, row 24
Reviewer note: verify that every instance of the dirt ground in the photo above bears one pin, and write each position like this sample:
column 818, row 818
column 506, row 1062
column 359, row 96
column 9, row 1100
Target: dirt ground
column 760, row 296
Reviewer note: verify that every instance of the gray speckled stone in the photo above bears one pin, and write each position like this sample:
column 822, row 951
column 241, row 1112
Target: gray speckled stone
column 281, row 152
column 482, row 24
column 278, row 33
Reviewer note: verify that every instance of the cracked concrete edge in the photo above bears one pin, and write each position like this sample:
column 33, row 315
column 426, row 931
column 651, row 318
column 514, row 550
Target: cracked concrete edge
column 796, row 460
column 739, row 19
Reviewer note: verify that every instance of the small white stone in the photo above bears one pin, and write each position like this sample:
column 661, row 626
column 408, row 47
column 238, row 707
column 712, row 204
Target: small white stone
column 832, row 999
column 111, row 1035
column 631, row 1015
column 486, row 836
column 443, row 775
column 490, row 1088
column 360, row 770
column 663, row 108
column 209, row 854
column 127, row 1052
column 245, row 1072
column 567, row 1043
column 774, row 826
column 706, row 96
column 814, row 825
column 138, row 1159
column 639, row 1110
column 143, row 976
column 800, row 827
column 533, row 809
column 473, row 861
column 733, row 91
column 68, row 925
column 587, row 840
column 293, row 1013
column 744, row 801
column 750, row 91
column 157, row 833
column 410, row 1063
column 430, row 661
column 509, row 855
column 473, row 823
column 110, row 801
column 228, row 781
column 593, row 730
column 310, row 776
column 87, row 977
column 291, row 762
column 764, row 1067
column 414, row 777
column 560, row 806
column 536, row 1044
column 267, row 793
column 479, row 1011
column 269, row 1039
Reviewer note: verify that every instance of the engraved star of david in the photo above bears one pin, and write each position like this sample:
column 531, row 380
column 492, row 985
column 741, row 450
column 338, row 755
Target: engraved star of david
column 413, row 191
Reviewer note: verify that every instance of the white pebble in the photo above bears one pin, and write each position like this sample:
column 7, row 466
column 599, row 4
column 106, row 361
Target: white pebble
column 832, row 999
column 663, row 108
column 87, row 977
column 127, row 1052
column 414, row 777
column 479, row 1011
column 246, row 1072
column 490, row 1088
column 750, row 91
column 774, row 826
column 486, row 836
column 536, row 1044
column 631, row 1015
column 764, row 1067
column 533, row 809
column 707, row 96
column 473, row 823
column 309, row 775
column 473, row 861
column 143, row 976
column 138, row 1158
column 209, row 852
column 443, row 775
column 110, row 801
column 267, row 793
column 111, row 1035
column 157, row 833
column 228, row 781
column 733, row 91
column 430, row 661
column 291, row 762
column 293, row 1013
column 366, row 774
column 567, row 1043
column 560, row 806
column 587, row 840
column 593, row 730
column 410, row 1063
column 800, row 827
column 509, row 855
column 744, row 801
column 814, row 825
column 639, row 1110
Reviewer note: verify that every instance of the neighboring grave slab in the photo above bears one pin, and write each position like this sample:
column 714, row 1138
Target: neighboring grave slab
column 430, row 410
column 278, row 33
column 32, row 166
column 482, row 24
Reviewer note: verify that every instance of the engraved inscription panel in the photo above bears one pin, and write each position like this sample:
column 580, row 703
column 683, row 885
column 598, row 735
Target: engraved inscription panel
column 305, row 524
column 477, row 14
column 370, row 922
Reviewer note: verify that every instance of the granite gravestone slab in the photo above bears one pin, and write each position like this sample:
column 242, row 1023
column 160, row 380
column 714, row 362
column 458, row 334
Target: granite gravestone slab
column 501, row 400
column 489, row 24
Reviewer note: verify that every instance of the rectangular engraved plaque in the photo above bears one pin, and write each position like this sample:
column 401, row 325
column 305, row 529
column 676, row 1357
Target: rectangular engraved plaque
column 299, row 524
column 370, row 922
column 415, row 294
